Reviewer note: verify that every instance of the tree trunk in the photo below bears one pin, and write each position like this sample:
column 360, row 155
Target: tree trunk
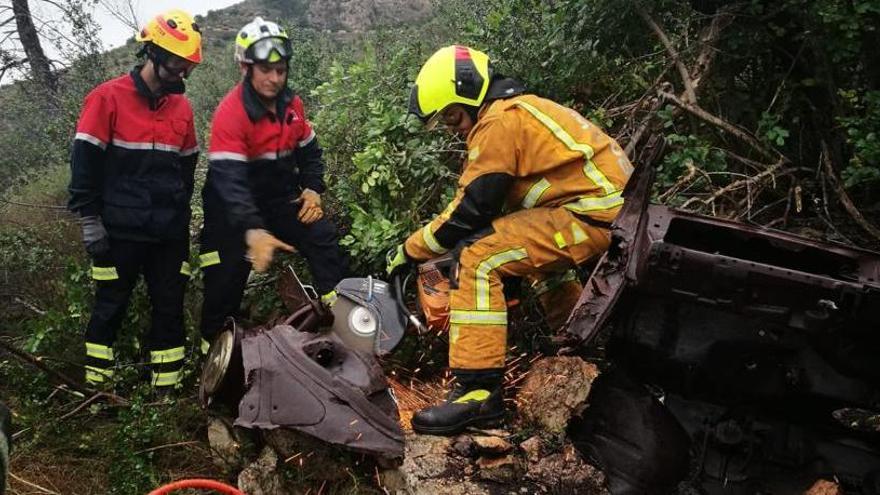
column 30, row 41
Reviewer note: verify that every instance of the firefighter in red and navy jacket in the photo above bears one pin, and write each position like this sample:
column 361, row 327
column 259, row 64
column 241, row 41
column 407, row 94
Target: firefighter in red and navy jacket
column 265, row 178
column 132, row 167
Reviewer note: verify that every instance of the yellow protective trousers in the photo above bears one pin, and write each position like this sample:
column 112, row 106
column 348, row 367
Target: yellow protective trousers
column 538, row 244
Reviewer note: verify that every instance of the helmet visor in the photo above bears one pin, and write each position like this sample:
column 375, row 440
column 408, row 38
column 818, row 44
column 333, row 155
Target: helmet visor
column 270, row 50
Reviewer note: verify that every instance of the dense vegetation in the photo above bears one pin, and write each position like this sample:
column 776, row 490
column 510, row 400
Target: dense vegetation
column 791, row 86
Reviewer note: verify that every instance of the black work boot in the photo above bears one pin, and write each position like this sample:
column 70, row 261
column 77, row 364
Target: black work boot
column 477, row 399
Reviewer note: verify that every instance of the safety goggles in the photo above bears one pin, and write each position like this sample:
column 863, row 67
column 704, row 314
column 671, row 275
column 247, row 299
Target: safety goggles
column 178, row 66
column 261, row 51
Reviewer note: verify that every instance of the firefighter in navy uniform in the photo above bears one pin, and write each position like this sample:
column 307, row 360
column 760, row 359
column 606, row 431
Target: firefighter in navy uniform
column 264, row 184
column 545, row 183
column 132, row 166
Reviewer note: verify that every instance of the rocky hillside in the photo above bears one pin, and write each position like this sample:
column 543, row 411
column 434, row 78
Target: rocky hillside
column 328, row 15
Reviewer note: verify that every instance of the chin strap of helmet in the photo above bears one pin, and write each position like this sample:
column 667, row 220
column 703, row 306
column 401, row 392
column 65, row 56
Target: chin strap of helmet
column 472, row 111
column 159, row 57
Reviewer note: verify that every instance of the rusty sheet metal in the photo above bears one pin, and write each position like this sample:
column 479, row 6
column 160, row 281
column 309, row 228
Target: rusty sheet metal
column 314, row 384
column 762, row 344
column 609, row 277
column 801, row 282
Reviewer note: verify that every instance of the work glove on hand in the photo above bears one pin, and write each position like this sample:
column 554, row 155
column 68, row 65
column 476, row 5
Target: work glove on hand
column 310, row 211
column 397, row 262
column 261, row 246
column 95, row 237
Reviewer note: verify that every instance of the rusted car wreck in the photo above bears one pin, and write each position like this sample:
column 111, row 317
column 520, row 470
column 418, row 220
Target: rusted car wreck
column 734, row 360
column 762, row 348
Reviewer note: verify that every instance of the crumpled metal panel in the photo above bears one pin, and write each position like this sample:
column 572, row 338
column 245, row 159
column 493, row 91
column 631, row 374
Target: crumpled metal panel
column 796, row 281
column 617, row 266
column 292, row 378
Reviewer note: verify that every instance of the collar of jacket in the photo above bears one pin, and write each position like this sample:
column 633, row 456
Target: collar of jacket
column 155, row 100
column 501, row 88
column 504, row 87
column 254, row 106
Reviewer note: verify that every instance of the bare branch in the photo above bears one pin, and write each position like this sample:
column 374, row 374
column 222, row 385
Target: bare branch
column 60, row 7
column 733, row 186
column 741, row 134
column 30, row 205
column 691, row 173
column 848, row 205
column 129, row 19
column 37, row 362
column 167, row 446
column 32, row 485
column 709, row 36
column 689, row 93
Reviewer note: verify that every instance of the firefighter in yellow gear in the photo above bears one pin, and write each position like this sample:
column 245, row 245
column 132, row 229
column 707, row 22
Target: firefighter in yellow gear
column 542, row 181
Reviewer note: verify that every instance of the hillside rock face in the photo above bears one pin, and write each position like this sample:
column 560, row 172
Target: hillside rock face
column 362, row 15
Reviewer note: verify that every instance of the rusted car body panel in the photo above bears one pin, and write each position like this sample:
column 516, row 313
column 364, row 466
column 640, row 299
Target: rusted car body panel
column 316, row 384
column 312, row 373
column 753, row 339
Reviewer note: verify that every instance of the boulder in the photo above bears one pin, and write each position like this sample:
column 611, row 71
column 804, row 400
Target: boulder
column 824, row 487
column 566, row 472
column 263, row 477
column 555, row 390
column 430, row 469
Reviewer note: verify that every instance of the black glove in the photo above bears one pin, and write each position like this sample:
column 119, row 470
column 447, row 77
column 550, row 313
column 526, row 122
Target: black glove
column 95, row 237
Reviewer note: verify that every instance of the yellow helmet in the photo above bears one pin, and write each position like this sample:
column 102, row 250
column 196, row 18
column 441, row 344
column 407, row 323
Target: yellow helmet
column 174, row 31
column 453, row 74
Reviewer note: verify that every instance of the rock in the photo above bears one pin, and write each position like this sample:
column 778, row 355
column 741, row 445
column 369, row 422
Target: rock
column 824, row 487
column 361, row 15
column 262, row 477
column 498, row 469
column 427, row 469
column 224, row 447
column 492, row 446
column 532, row 448
column 232, row 447
column 555, row 389
column 566, row 472
column 464, row 446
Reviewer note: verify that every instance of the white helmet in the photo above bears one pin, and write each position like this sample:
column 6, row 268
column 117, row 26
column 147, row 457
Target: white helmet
column 262, row 41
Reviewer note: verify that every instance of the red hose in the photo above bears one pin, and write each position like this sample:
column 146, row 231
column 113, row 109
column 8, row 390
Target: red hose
column 198, row 484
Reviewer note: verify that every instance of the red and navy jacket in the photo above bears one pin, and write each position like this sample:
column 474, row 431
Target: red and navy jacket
column 259, row 160
column 133, row 160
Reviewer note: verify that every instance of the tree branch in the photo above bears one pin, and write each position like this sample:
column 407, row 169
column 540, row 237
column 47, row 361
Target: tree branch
column 744, row 136
column 709, row 36
column 848, row 205
column 737, row 184
column 73, row 384
column 30, row 205
column 689, row 93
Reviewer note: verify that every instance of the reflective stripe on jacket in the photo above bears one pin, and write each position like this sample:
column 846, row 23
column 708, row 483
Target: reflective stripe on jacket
column 257, row 158
column 133, row 160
